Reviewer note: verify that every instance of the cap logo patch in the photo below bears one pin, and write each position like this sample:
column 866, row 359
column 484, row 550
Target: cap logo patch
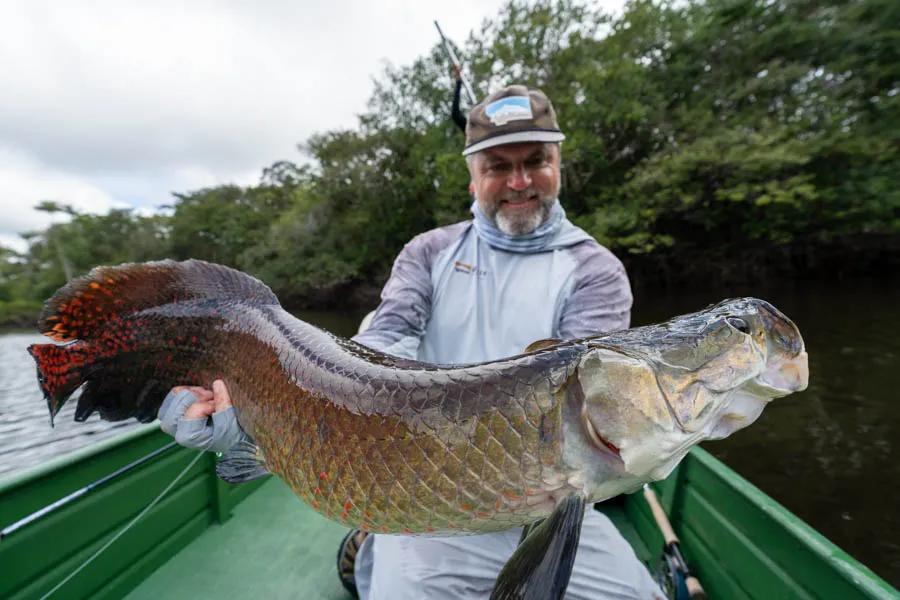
column 511, row 108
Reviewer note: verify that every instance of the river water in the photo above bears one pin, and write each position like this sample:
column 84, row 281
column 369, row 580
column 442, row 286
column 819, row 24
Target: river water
column 829, row 454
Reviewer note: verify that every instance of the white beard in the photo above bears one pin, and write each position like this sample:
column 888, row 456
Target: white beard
column 519, row 224
column 523, row 224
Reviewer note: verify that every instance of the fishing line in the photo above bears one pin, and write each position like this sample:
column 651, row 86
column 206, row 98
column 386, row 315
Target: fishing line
column 124, row 529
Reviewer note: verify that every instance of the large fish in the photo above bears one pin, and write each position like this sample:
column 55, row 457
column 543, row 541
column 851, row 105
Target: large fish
column 398, row 446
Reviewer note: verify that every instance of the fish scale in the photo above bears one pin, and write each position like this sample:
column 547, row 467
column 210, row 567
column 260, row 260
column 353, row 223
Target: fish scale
column 406, row 461
column 397, row 446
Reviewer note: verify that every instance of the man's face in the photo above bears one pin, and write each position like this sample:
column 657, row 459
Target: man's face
column 515, row 185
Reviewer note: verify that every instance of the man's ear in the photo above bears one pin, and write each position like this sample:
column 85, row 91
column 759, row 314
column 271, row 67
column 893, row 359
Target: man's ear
column 471, row 187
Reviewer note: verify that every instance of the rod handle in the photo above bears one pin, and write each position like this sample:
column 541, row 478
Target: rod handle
column 695, row 590
column 659, row 515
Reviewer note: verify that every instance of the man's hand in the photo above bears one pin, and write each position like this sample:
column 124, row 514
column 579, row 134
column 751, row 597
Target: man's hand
column 208, row 402
column 185, row 414
column 203, row 405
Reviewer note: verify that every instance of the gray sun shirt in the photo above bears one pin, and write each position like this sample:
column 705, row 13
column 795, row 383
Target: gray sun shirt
column 452, row 297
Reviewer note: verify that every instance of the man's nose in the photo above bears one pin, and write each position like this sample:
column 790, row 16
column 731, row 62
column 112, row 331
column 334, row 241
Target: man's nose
column 519, row 179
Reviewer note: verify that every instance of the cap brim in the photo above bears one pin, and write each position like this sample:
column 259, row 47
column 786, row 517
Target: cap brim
column 517, row 137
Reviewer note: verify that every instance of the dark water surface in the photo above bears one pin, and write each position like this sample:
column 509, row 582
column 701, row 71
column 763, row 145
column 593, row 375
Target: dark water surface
column 829, row 454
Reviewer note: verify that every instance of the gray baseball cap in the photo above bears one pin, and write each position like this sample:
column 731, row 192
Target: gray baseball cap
column 512, row 115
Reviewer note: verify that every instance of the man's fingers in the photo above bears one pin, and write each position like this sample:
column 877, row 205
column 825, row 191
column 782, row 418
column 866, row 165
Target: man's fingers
column 199, row 391
column 222, row 399
column 199, row 409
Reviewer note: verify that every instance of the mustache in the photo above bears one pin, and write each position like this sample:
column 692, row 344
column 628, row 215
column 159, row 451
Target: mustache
column 527, row 194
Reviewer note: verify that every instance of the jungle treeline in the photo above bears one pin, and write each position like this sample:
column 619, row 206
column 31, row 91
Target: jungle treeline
column 719, row 139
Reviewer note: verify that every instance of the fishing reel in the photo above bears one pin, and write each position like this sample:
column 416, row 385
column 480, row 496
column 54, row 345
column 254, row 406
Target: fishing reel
column 671, row 579
column 673, row 573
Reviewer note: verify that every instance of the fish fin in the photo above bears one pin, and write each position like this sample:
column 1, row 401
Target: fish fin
column 83, row 308
column 541, row 344
column 542, row 564
column 107, row 388
column 526, row 531
column 242, row 463
column 60, row 371
column 127, row 362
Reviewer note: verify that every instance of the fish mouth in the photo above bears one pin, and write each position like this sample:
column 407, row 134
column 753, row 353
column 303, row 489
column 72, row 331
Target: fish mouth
column 598, row 440
column 787, row 366
column 786, row 375
column 783, row 376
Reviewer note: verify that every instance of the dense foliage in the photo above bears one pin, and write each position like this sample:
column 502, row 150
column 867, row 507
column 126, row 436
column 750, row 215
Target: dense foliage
column 701, row 137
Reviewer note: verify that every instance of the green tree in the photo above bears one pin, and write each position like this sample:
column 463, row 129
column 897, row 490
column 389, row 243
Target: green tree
column 703, row 134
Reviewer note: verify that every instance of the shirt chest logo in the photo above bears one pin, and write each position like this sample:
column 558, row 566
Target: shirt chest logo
column 467, row 269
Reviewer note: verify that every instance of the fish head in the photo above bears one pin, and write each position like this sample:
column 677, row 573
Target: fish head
column 651, row 393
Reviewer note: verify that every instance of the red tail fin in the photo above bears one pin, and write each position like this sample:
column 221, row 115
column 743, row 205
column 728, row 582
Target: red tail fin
column 61, row 370
column 126, row 361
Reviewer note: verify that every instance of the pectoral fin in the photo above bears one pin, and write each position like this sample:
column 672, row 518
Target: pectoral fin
column 540, row 344
column 243, row 463
column 542, row 564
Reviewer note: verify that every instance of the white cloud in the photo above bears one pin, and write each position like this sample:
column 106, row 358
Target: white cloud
column 126, row 101
column 25, row 182
column 137, row 85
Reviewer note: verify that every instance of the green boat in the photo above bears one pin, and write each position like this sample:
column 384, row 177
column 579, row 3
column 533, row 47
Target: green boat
column 205, row 538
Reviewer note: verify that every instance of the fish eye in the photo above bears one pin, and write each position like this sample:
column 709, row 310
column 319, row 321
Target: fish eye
column 739, row 324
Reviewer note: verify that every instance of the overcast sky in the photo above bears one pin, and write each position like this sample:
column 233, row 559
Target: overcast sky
column 119, row 103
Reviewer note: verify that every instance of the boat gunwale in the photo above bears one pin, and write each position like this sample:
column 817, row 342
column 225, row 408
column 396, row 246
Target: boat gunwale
column 849, row 568
column 32, row 474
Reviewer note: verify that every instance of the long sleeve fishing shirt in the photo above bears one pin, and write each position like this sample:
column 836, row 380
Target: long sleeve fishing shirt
column 454, row 298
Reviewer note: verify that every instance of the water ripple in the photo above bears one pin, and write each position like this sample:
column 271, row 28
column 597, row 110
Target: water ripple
column 26, row 437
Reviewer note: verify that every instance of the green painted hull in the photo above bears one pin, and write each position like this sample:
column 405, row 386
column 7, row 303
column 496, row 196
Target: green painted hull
column 743, row 544
column 38, row 556
column 740, row 542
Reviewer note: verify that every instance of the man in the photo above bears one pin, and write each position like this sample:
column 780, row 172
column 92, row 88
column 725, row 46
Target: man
column 481, row 290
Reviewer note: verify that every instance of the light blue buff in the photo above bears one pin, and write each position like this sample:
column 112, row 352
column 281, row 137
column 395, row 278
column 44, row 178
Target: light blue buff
column 526, row 243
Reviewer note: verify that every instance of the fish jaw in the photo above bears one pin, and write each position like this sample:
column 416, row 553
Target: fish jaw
column 785, row 372
column 785, row 375
column 648, row 403
column 787, row 363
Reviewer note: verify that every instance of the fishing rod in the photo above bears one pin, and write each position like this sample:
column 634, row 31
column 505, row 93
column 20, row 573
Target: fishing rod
column 123, row 530
column 68, row 499
column 454, row 60
column 685, row 585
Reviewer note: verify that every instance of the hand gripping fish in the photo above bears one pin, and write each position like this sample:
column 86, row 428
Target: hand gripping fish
column 398, row 446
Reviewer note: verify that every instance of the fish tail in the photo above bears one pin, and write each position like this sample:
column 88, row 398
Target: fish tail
column 130, row 337
column 60, row 370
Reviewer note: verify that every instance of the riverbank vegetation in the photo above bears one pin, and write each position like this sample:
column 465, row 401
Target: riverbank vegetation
column 726, row 139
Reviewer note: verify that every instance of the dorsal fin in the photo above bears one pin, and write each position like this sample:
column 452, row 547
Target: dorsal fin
column 79, row 309
column 541, row 344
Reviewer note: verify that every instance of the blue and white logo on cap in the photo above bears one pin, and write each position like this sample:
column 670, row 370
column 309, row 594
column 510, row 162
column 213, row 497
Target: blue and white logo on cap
column 511, row 108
